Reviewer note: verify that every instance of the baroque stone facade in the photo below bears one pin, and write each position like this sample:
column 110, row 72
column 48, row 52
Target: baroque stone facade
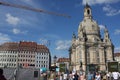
column 88, row 48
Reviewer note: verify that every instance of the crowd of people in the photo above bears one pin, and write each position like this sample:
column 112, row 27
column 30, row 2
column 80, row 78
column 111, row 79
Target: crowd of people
column 52, row 75
column 80, row 76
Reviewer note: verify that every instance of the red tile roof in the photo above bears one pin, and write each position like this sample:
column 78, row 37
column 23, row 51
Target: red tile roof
column 9, row 46
column 116, row 54
column 23, row 46
column 42, row 48
column 63, row 60
column 29, row 46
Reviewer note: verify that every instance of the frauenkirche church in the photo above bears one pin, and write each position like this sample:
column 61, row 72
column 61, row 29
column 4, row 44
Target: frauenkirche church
column 88, row 48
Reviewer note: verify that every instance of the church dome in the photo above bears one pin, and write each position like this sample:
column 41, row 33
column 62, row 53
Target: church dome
column 90, row 27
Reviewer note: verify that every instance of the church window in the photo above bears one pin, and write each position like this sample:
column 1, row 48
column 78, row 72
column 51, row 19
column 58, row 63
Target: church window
column 97, row 54
column 95, row 40
column 105, row 40
column 98, row 60
column 88, row 60
column 80, row 54
column 88, row 55
column 106, row 36
column 88, row 11
column 93, row 27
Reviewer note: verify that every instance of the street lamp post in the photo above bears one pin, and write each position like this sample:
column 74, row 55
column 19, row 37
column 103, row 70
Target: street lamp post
column 17, row 68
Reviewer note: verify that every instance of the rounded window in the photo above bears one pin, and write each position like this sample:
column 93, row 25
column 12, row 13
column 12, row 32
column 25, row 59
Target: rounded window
column 88, row 11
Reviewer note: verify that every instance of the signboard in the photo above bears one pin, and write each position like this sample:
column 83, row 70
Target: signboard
column 93, row 67
column 112, row 66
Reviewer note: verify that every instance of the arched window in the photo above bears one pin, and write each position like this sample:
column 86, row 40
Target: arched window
column 88, row 11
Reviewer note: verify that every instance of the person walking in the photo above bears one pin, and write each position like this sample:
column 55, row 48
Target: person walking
column 97, row 76
column 1, row 75
column 41, row 76
column 52, row 75
column 90, row 76
column 76, row 76
column 115, row 75
column 104, row 77
column 82, row 76
column 44, row 76
column 61, row 76
column 70, row 76
column 64, row 76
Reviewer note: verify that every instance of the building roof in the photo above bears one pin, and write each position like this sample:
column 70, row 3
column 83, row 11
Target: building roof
column 27, row 46
column 9, row 46
column 23, row 46
column 42, row 48
column 116, row 54
column 63, row 60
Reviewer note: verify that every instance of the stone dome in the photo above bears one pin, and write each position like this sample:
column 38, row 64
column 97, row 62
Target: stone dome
column 90, row 27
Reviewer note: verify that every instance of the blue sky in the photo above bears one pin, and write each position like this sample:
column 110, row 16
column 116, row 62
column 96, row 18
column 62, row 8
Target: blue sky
column 56, row 31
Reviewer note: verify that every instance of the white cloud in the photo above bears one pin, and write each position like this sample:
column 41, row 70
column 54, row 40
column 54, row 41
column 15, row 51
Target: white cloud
column 11, row 19
column 45, row 41
column 117, row 31
column 63, row 45
column 4, row 38
column 102, row 27
column 18, row 31
column 93, row 2
column 117, row 49
column 110, row 11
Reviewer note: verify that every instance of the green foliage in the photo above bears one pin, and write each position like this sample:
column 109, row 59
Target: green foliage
column 62, row 67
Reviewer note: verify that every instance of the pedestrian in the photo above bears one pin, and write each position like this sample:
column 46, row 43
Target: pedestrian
column 1, row 75
column 41, row 76
column 109, row 76
column 70, row 76
column 76, row 76
column 52, row 75
column 90, row 76
column 61, row 76
column 97, row 76
column 115, row 75
column 82, row 76
column 104, row 77
column 48, row 75
column 57, row 77
column 64, row 76
column 44, row 76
